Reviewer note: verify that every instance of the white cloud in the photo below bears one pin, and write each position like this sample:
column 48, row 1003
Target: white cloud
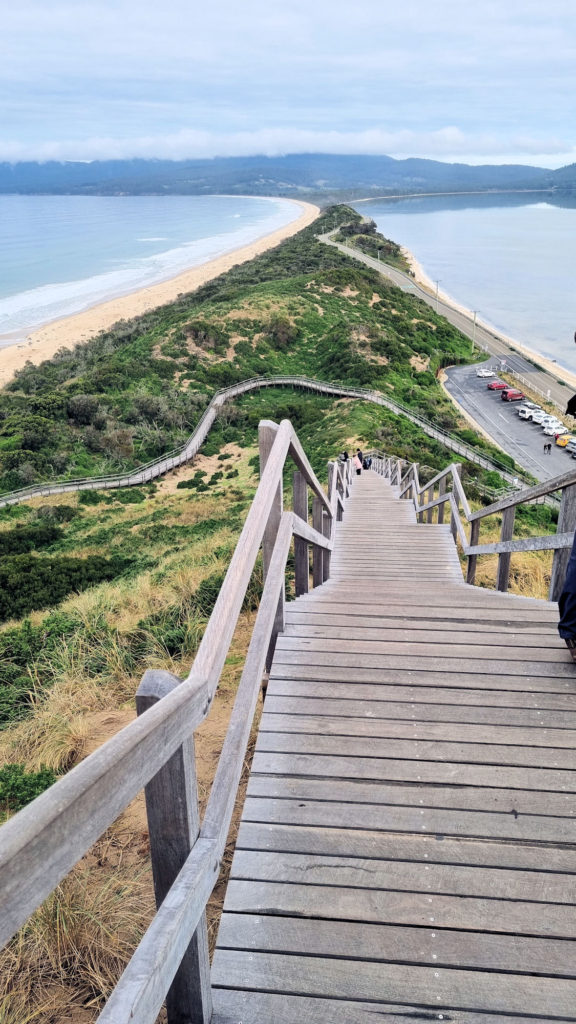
column 449, row 143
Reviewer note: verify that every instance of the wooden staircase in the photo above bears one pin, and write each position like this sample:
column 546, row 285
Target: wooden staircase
column 406, row 850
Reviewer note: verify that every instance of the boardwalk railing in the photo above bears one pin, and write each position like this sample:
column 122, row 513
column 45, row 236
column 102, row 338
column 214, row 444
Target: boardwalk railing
column 446, row 489
column 178, row 457
column 42, row 843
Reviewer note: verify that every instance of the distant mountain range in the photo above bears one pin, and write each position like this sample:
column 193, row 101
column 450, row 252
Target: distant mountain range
column 315, row 174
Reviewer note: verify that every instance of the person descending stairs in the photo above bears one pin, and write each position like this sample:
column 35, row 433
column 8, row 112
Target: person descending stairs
column 406, row 849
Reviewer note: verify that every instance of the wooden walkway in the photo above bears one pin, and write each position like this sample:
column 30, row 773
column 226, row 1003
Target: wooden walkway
column 407, row 847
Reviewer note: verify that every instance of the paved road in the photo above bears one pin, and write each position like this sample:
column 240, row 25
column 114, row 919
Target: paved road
column 484, row 338
column 523, row 440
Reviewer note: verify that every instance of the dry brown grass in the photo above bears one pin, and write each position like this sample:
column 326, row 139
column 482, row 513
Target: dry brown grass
column 530, row 571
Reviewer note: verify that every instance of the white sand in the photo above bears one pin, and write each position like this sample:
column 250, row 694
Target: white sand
column 45, row 342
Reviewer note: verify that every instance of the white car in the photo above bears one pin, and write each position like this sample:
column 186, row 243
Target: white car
column 539, row 416
column 555, row 428
column 526, row 411
column 485, row 372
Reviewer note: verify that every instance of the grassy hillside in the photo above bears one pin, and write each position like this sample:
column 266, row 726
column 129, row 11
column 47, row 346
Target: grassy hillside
column 100, row 586
column 136, row 391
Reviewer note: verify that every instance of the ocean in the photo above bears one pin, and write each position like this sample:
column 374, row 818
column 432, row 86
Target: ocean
column 510, row 257
column 60, row 255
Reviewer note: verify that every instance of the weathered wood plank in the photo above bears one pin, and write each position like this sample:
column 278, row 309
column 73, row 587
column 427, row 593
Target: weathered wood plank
column 551, row 652
column 437, row 989
column 349, row 707
column 388, row 943
column 394, row 818
column 282, row 783
column 438, row 849
column 384, row 622
column 407, row 876
column 425, row 678
column 434, row 663
column 507, row 917
column 249, row 1007
column 312, row 741
column 422, row 695
column 444, row 732
column 417, row 636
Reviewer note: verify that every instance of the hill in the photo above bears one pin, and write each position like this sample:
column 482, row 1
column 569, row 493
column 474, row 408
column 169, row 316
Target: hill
column 71, row 659
column 317, row 173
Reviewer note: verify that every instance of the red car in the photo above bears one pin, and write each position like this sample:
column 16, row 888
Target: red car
column 512, row 395
column 497, row 385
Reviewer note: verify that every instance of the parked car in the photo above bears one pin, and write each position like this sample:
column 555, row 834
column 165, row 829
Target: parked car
column 571, row 446
column 539, row 416
column 565, row 439
column 512, row 395
column 483, row 371
column 497, row 385
column 547, row 419
column 555, row 428
column 526, row 411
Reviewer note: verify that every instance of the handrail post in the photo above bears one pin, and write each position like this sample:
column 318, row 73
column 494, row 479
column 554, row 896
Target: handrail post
column 566, row 524
column 301, row 557
column 441, row 491
column 429, row 498
column 506, row 531
column 266, row 437
column 174, row 824
column 472, row 559
column 328, row 519
column 453, row 526
column 318, row 553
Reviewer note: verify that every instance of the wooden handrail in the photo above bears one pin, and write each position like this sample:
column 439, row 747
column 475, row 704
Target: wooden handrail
column 456, row 498
column 179, row 457
column 40, row 844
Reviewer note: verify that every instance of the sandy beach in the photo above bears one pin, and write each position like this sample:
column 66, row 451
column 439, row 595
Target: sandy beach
column 45, row 342
column 558, row 371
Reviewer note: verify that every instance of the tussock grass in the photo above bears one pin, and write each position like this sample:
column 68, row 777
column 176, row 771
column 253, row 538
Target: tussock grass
column 75, row 946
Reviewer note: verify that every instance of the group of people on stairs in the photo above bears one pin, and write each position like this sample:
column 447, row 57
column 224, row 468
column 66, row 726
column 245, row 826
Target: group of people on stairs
column 359, row 461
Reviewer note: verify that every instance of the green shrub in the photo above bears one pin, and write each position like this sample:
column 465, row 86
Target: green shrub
column 18, row 787
column 28, row 538
column 28, row 583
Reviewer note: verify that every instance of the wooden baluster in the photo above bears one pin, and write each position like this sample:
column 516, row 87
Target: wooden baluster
column 327, row 523
column 266, row 437
column 430, row 512
column 506, row 531
column 174, row 824
column 566, row 524
column 453, row 527
column 301, row 556
column 317, row 553
column 441, row 491
column 472, row 559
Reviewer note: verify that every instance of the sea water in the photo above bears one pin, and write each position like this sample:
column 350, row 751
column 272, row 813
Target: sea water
column 62, row 254
column 510, row 257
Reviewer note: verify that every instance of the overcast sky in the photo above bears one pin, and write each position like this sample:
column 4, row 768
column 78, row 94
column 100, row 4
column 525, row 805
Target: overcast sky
column 483, row 82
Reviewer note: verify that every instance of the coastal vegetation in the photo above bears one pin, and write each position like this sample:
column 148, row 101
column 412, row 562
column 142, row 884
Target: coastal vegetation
column 103, row 585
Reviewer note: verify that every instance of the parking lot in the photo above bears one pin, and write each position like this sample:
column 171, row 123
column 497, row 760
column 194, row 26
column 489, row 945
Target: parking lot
column 522, row 439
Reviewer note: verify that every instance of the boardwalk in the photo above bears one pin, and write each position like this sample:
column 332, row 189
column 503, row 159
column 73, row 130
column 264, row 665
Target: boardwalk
column 406, row 847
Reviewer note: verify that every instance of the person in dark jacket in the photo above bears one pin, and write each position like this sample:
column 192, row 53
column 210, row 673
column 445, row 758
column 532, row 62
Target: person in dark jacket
column 567, row 605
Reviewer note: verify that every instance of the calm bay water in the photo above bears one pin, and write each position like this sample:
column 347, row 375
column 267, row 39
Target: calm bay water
column 510, row 257
column 62, row 254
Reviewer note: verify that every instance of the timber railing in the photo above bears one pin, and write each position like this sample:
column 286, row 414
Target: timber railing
column 180, row 456
column 43, row 842
column 445, row 489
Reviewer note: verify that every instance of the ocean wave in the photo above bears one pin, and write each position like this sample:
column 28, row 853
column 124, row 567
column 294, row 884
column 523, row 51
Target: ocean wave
column 29, row 309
